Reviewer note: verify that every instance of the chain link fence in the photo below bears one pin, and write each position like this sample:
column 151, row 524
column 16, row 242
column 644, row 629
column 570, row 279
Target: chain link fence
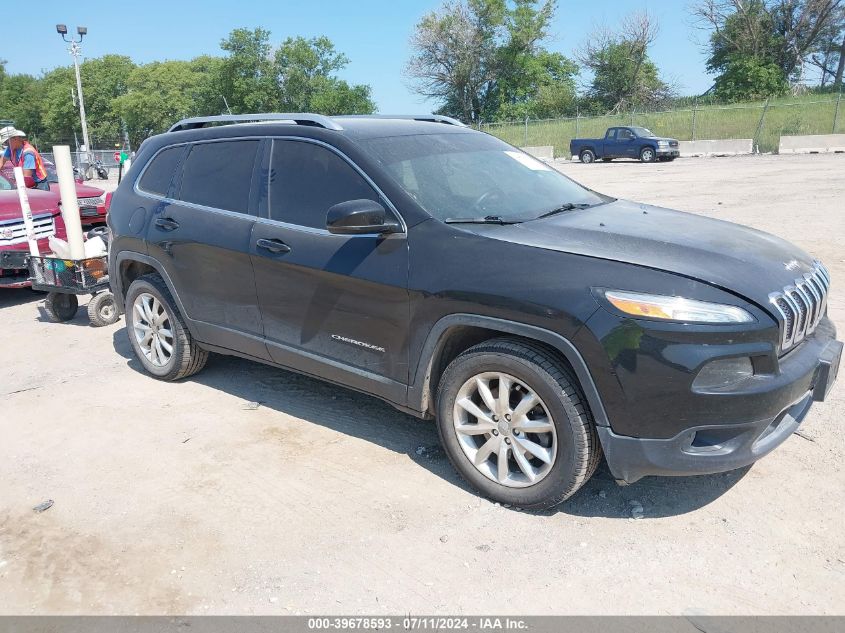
column 764, row 122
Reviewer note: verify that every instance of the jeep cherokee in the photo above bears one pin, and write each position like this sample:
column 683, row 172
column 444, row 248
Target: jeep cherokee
column 435, row 267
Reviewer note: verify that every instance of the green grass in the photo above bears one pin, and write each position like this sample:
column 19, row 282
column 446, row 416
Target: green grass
column 810, row 114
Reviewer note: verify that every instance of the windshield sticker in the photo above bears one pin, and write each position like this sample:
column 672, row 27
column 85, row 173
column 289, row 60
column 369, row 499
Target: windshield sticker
column 528, row 161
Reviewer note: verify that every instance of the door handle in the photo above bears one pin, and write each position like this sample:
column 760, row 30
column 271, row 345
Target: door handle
column 274, row 246
column 167, row 224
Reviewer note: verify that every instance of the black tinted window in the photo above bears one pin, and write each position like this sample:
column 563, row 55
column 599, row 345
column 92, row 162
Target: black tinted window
column 157, row 177
column 306, row 179
column 219, row 174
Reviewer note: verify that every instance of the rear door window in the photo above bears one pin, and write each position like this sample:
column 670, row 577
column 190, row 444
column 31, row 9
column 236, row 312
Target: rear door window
column 306, row 179
column 219, row 175
column 159, row 174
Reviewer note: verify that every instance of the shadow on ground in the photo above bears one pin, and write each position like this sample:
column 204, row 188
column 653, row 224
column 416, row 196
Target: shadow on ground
column 368, row 418
column 11, row 297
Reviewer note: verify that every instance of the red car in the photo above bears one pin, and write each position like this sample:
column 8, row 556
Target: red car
column 14, row 246
column 92, row 200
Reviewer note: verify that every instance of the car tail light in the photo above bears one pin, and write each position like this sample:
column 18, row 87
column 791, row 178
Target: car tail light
column 107, row 203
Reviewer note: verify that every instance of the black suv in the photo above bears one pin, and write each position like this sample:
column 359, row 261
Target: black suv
column 414, row 259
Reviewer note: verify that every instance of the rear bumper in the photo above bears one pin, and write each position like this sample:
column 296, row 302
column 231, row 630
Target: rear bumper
column 715, row 448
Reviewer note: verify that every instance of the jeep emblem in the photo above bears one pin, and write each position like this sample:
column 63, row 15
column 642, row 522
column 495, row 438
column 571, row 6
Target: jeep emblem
column 6, row 234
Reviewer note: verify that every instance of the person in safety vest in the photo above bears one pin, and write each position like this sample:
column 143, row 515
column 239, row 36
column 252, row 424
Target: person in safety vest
column 21, row 154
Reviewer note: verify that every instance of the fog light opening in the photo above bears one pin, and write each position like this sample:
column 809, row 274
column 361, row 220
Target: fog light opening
column 723, row 373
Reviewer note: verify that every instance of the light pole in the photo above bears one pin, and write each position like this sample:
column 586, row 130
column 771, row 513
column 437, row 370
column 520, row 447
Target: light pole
column 75, row 49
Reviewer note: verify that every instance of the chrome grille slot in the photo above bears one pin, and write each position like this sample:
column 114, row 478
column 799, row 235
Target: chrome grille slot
column 14, row 231
column 801, row 306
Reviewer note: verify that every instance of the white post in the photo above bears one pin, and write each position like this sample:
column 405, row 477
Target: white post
column 27, row 213
column 70, row 205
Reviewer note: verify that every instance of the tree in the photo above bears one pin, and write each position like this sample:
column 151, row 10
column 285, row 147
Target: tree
column 103, row 80
column 161, row 93
column 624, row 76
column 484, row 59
column 745, row 78
column 20, row 102
column 775, row 33
column 247, row 77
column 306, row 74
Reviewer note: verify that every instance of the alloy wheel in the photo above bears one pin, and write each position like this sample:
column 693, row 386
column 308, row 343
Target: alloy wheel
column 505, row 429
column 152, row 328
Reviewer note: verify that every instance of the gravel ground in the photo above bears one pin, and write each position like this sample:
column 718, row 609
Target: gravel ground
column 186, row 498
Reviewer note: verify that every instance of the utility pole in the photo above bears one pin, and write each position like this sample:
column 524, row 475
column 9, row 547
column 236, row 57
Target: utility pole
column 75, row 50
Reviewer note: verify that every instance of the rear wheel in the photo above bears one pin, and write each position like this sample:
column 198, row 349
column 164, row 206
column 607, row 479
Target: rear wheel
column 513, row 423
column 587, row 156
column 60, row 306
column 157, row 332
column 102, row 310
column 648, row 155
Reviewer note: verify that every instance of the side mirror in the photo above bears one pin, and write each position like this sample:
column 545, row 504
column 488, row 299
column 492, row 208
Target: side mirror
column 356, row 217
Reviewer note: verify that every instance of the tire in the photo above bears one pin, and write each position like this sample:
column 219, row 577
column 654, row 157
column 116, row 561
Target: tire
column 185, row 357
column 587, row 156
column 569, row 445
column 102, row 309
column 648, row 155
column 61, row 307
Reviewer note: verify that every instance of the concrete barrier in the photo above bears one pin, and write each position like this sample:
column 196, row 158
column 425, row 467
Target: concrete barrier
column 543, row 152
column 812, row 144
column 726, row 147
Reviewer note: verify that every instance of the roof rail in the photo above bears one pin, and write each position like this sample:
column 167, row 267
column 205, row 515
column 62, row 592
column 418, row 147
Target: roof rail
column 298, row 118
column 432, row 118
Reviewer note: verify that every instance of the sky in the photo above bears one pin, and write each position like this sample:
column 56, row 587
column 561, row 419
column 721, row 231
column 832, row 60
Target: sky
column 372, row 33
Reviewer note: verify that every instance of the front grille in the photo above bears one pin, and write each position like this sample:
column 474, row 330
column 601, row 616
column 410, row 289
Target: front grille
column 14, row 231
column 802, row 305
column 673, row 143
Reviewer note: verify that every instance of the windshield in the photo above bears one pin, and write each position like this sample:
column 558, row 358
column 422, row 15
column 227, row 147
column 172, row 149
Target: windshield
column 475, row 176
column 642, row 131
column 7, row 175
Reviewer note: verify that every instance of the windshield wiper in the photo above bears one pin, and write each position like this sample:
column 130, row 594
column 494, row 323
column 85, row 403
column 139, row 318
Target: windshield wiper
column 569, row 206
column 490, row 219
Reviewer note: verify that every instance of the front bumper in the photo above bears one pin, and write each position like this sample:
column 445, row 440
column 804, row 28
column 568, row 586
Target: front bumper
column 714, row 448
column 668, row 152
column 14, row 269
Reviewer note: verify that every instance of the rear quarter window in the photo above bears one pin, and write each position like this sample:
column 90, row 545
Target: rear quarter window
column 159, row 174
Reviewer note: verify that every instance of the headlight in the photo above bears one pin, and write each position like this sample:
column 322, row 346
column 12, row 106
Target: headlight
column 675, row 308
column 663, row 143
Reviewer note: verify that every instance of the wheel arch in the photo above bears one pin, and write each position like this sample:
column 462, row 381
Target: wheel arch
column 129, row 267
column 455, row 333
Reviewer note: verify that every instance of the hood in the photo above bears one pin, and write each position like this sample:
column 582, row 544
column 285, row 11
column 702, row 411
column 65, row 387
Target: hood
column 39, row 202
column 82, row 191
column 736, row 258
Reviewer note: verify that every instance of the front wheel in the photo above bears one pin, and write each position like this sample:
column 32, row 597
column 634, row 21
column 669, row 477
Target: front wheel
column 513, row 423
column 648, row 155
column 60, row 306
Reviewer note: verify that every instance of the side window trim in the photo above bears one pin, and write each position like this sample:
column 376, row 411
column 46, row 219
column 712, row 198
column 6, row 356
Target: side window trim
column 265, row 217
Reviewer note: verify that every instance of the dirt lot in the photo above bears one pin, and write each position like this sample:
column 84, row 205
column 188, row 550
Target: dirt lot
column 183, row 498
